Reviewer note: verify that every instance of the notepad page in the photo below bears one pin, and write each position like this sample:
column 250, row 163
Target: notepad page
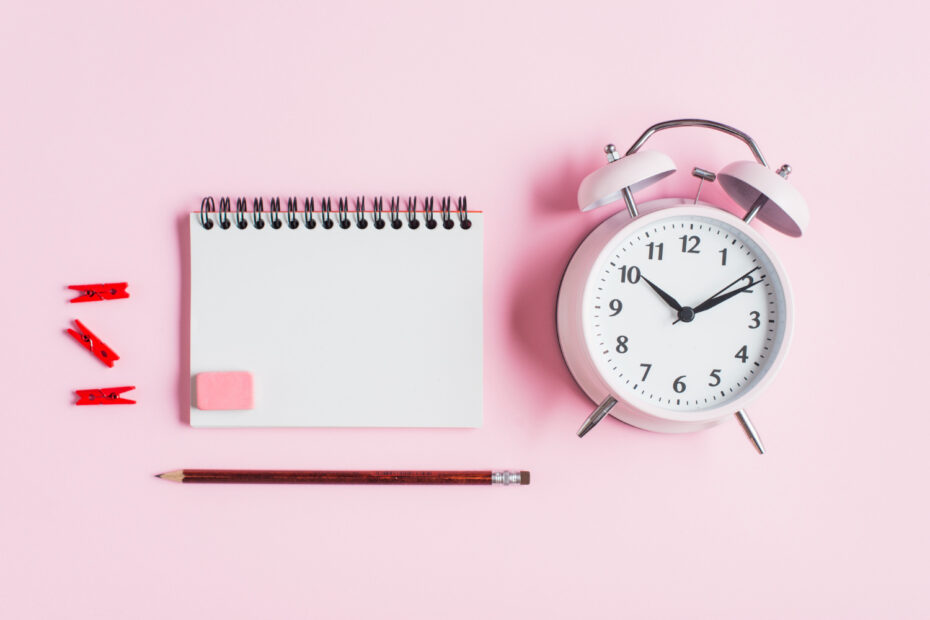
column 340, row 327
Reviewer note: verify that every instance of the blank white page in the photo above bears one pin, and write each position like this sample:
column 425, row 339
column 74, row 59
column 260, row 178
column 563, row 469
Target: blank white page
column 341, row 327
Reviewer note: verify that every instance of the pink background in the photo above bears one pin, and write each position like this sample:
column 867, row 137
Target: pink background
column 115, row 120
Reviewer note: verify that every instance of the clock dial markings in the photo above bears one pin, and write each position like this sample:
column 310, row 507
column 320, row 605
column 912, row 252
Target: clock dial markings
column 681, row 355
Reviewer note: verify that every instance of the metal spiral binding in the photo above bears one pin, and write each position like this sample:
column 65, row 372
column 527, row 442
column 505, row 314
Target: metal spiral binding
column 242, row 207
column 464, row 222
column 445, row 208
column 258, row 207
column 275, row 207
column 309, row 222
column 395, row 212
column 344, row 213
column 206, row 207
column 428, row 212
column 377, row 205
column 326, row 212
column 378, row 220
column 360, row 220
column 292, row 222
column 412, row 220
column 224, row 213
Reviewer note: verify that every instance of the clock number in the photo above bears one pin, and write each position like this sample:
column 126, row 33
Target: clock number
column 742, row 354
column 629, row 274
column 655, row 249
column 754, row 317
column 723, row 257
column 694, row 242
column 648, row 367
column 621, row 344
column 616, row 305
column 715, row 375
column 678, row 385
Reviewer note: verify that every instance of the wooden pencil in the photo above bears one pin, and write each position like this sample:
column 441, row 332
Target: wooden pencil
column 254, row 476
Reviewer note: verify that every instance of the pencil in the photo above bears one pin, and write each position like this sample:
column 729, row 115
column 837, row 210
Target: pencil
column 271, row 476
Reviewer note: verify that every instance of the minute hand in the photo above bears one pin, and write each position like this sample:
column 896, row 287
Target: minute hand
column 719, row 299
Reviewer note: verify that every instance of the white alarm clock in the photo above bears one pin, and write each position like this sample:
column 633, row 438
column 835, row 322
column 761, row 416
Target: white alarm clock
column 672, row 315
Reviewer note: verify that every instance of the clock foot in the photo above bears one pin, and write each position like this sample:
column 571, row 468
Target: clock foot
column 597, row 415
column 750, row 430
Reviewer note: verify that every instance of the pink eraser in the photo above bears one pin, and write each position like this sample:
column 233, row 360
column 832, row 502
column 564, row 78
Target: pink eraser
column 224, row 390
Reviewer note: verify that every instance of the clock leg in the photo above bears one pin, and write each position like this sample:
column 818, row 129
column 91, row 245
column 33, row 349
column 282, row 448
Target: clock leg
column 750, row 430
column 630, row 203
column 597, row 415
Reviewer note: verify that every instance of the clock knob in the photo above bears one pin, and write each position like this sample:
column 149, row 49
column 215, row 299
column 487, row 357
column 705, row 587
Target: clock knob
column 612, row 154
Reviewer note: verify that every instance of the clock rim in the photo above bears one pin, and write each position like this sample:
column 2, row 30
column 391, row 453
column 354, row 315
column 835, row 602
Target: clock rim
column 574, row 345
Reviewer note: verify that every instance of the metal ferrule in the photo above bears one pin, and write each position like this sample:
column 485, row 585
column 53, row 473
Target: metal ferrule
column 505, row 477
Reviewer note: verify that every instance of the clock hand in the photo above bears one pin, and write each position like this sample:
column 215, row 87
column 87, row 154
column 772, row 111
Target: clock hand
column 719, row 299
column 665, row 296
column 687, row 313
column 689, row 316
column 742, row 277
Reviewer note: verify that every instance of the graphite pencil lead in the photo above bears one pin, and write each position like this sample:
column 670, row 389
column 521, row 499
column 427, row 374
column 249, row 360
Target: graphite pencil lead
column 173, row 476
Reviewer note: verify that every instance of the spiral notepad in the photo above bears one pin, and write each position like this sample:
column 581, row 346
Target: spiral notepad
column 353, row 316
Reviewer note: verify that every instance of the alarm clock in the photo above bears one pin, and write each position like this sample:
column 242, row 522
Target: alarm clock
column 674, row 314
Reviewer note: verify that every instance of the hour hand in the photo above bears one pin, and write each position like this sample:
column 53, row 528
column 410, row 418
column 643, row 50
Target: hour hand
column 665, row 296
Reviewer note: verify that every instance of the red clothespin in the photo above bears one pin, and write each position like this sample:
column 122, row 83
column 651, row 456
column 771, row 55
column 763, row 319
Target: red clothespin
column 104, row 396
column 93, row 344
column 99, row 292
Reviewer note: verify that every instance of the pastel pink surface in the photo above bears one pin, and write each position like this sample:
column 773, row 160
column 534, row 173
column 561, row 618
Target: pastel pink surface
column 223, row 390
column 119, row 117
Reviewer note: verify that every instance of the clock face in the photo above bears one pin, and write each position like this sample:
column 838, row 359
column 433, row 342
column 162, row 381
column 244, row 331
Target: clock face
column 684, row 314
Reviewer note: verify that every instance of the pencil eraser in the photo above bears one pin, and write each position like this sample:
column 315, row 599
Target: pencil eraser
column 224, row 390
